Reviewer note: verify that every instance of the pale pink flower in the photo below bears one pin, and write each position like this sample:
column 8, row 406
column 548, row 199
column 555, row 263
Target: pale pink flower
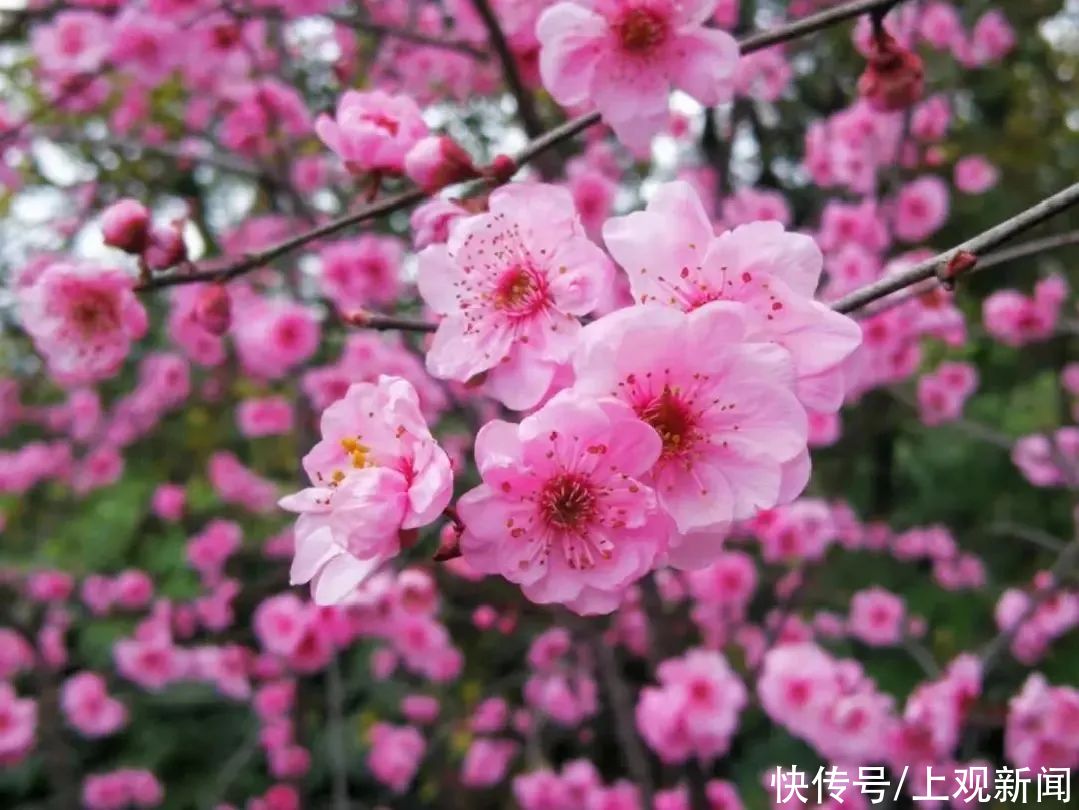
column 125, row 225
column 88, row 707
column 438, row 161
column 694, row 711
column 625, row 57
column 376, row 472
column 673, row 257
column 395, row 755
column 372, row 131
column 561, row 511
column 83, row 318
column 1040, row 461
column 511, row 284
column 975, row 175
column 144, row 45
column 921, row 208
column 733, row 432
column 876, row 617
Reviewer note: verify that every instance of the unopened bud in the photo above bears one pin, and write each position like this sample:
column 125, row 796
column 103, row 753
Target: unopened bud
column 125, row 225
column 213, row 309
column 437, row 161
column 166, row 247
column 894, row 77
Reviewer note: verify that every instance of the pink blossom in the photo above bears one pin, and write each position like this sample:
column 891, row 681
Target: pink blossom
column 511, row 284
column 265, row 416
column 931, row 118
column 376, row 471
column 89, row 708
column 372, row 131
column 143, row 45
column 733, row 433
column 362, row 272
column 625, row 57
column 396, row 752
column 764, row 74
column 831, row 704
column 673, row 258
column 561, row 511
column 876, row 617
column 940, row 25
column 83, row 319
column 49, row 586
column 431, row 222
column 750, row 204
column 75, row 42
column 420, row 709
column 991, row 39
column 125, row 225
column 975, row 175
column 272, row 337
column 1040, row 461
column 16, row 654
column 132, row 589
column 1015, row 319
column 234, row 483
column 438, row 161
column 18, row 725
column 1040, row 731
column 168, row 502
column 487, row 761
column 921, row 209
column 694, row 711
column 942, row 393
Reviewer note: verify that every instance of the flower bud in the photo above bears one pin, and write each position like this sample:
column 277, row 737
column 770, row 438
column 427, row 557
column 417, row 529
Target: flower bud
column 166, row 247
column 126, row 225
column 893, row 78
column 213, row 309
column 437, row 161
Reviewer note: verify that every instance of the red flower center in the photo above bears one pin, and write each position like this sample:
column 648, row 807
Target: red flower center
column 672, row 419
column 520, row 292
column 641, row 31
column 94, row 313
column 568, row 502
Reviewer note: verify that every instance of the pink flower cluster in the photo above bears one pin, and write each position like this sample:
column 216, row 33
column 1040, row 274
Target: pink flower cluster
column 117, row 790
column 1016, row 319
column 943, row 392
column 1041, row 727
column 694, row 711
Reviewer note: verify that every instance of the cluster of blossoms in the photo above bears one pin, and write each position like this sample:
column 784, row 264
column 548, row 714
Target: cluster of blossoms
column 613, row 411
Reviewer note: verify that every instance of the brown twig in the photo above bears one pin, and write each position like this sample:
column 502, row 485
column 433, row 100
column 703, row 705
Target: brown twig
column 984, row 242
column 526, row 107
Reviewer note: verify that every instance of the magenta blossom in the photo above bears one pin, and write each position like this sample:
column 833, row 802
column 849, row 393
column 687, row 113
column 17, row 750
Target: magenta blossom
column 511, row 284
column 376, row 471
column 561, row 511
column 624, row 56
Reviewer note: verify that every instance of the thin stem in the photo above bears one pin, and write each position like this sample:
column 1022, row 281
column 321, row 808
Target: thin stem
column 335, row 700
column 978, row 245
column 373, row 320
column 621, row 700
column 526, row 107
column 814, row 23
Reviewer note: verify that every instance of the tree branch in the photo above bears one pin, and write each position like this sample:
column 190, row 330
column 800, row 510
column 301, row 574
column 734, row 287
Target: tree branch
column 981, row 244
column 526, row 107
